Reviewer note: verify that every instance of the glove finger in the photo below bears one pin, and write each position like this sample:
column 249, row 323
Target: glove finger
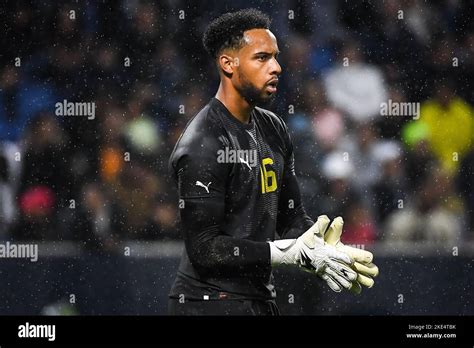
column 340, row 280
column 339, row 256
column 331, row 283
column 356, row 288
column 322, row 224
column 368, row 269
column 360, row 255
column 343, row 270
column 317, row 229
column 365, row 281
column 333, row 234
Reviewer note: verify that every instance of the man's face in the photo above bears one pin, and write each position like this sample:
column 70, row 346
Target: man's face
column 256, row 74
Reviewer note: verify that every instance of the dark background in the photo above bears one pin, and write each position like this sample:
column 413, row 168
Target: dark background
column 403, row 193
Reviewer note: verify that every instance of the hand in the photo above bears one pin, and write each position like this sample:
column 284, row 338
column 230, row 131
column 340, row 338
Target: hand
column 363, row 265
column 313, row 254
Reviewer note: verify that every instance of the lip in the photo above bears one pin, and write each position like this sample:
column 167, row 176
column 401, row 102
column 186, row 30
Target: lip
column 272, row 85
column 273, row 81
column 271, row 89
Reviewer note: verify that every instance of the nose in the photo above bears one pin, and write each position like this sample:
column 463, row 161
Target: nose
column 276, row 68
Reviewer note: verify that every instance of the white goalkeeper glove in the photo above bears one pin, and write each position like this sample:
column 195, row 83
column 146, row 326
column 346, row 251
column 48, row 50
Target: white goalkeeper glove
column 363, row 265
column 313, row 254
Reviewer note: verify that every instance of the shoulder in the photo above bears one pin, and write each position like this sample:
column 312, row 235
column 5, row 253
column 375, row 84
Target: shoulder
column 202, row 137
column 271, row 119
column 276, row 130
column 274, row 123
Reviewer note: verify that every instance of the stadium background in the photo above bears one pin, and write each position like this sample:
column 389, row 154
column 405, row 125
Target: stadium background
column 96, row 196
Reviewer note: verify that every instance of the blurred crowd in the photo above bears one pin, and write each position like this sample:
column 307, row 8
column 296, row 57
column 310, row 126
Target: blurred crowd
column 99, row 181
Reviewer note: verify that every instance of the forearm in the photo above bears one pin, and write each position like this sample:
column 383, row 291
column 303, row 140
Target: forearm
column 218, row 255
column 292, row 218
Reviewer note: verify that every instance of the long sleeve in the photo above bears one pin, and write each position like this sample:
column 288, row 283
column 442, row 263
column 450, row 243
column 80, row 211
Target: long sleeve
column 202, row 192
column 292, row 218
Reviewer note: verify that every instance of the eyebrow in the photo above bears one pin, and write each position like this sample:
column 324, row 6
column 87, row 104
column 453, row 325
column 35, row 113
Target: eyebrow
column 266, row 53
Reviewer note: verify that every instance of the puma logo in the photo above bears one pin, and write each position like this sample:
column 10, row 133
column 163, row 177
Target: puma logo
column 246, row 162
column 198, row 183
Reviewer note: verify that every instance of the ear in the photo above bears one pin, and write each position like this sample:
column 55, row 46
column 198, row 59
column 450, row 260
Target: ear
column 227, row 63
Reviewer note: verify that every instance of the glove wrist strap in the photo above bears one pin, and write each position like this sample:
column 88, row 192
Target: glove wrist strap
column 280, row 252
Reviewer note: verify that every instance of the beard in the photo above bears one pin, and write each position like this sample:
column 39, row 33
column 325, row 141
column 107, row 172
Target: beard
column 254, row 95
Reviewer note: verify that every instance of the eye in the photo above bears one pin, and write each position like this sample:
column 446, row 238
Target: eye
column 261, row 58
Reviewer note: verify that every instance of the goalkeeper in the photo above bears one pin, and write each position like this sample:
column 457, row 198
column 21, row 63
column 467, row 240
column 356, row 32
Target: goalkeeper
column 234, row 169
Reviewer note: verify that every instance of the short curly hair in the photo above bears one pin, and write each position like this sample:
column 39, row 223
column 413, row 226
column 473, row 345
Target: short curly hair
column 227, row 31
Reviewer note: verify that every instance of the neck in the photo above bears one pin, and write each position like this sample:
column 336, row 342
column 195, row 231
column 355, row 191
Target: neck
column 235, row 103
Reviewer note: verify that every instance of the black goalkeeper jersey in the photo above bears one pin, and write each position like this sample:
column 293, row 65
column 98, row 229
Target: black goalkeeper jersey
column 237, row 187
